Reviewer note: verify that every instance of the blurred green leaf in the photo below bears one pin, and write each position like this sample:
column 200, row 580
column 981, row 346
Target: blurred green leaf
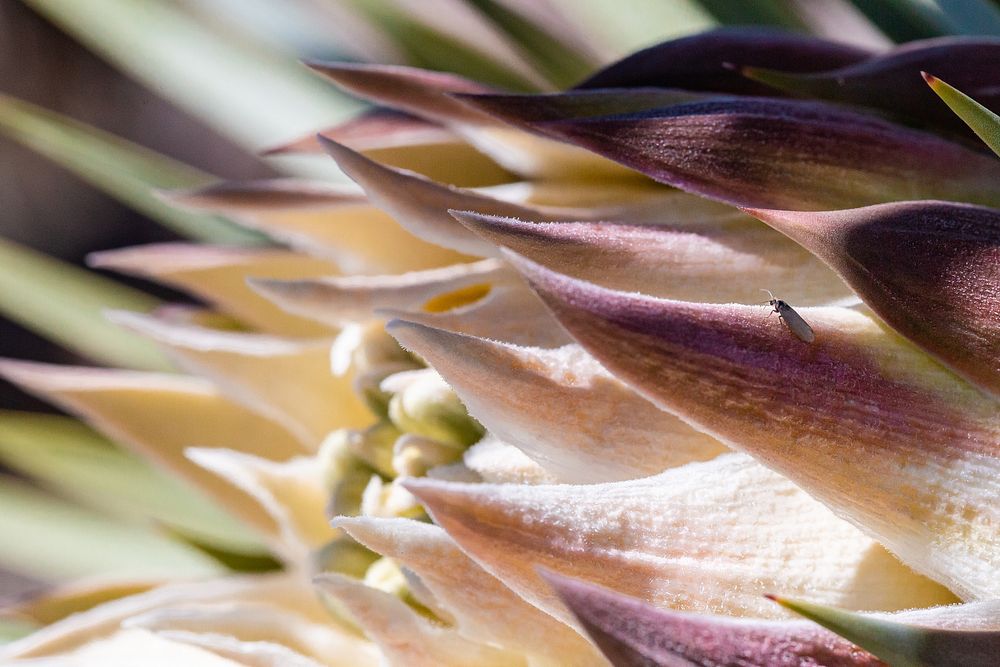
column 65, row 304
column 124, row 170
column 557, row 62
column 424, row 46
column 981, row 120
column 640, row 24
column 51, row 539
column 906, row 20
column 12, row 628
column 246, row 90
column 70, row 458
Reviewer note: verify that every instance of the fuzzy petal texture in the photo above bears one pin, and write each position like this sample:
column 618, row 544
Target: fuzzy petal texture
column 405, row 638
column 787, row 154
column 159, row 417
column 288, row 380
column 891, row 80
column 484, row 609
column 559, row 406
column 340, row 301
column 709, row 537
column 327, row 221
column 370, row 130
column 218, row 275
column 861, row 419
column 719, row 260
column 699, row 62
column 931, row 270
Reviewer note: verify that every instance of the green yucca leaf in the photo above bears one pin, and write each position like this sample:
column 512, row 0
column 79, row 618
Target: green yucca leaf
column 425, row 46
column 981, row 120
column 558, row 62
column 128, row 172
column 905, row 20
column 11, row 629
column 65, row 304
column 645, row 22
column 70, row 458
column 51, row 539
column 245, row 90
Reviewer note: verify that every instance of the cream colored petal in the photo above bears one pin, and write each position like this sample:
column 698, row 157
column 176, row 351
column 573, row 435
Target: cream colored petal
column 559, row 406
column 484, row 609
column 250, row 654
column 419, row 204
column 332, row 222
column 338, row 301
column 291, row 492
column 716, row 261
column 405, row 638
column 497, row 462
column 711, row 537
column 289, row 380
column 129, row 648
column 257, row 624
column 158, row 417
column 218, row 275
column 510, row 313
column 859, row 417
column 102, row 621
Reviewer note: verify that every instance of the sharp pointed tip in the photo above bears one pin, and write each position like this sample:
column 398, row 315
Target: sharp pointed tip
column 929, row 78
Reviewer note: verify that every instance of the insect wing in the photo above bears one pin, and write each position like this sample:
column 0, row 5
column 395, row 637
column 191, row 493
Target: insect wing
column 795, row 322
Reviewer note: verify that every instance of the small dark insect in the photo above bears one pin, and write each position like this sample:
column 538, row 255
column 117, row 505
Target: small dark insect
column 792, row 320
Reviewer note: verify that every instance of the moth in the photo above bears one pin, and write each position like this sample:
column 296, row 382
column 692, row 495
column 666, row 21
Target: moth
column 791, row 319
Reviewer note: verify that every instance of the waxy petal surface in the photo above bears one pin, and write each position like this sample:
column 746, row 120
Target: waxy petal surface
column 787, row 154
column 405, row 638
column 860, row 419
column 484, row 609
column 559, row 406
column 218, row 275
column 931, row 270
column 891, row 80
column 288, row 380
column 698, row 62
column 159, row 417
column 714, row 261
column 712, row 536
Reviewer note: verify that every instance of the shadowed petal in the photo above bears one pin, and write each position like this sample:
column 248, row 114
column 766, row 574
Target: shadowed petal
column 218, row 275
column 287, row 379
column 559, row 406
column 712, row 536
column 159, row 417
column 931, row 270
column 428, row 95
column 860, row 418
column 372, row 129
column 698, row 62
column 328, row 221
column 405, row 638
column 339, row 301
column 891, row 80
column 716, row 260
column 787, row 154
column 484, row 609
